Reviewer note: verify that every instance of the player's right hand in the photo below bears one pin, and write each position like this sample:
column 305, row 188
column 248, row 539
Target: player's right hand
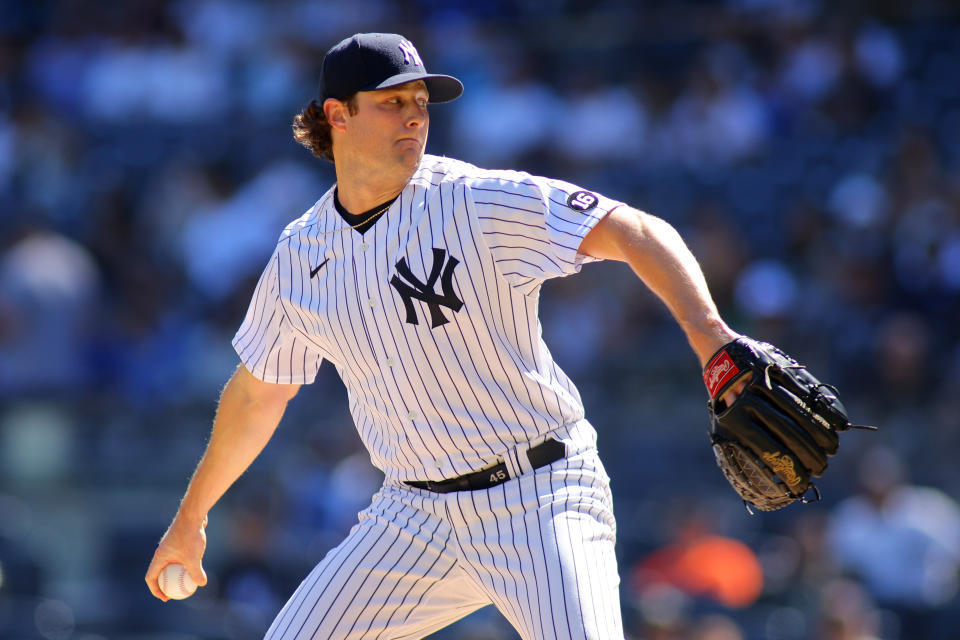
column 184, row 542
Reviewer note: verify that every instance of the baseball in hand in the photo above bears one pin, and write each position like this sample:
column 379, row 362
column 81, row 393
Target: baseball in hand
column 176, row 583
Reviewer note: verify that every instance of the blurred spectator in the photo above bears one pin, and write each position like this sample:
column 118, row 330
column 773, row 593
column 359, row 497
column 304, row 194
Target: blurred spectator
column 716, row 627
column 766, row 289
column 719, row 119
column 223, row 30
column 811, row 69
column 902, row 541
column 902, row 354
column 925, row 234
column 48, row 302
column 36, row 445
column 156, row 81
column 512, row 116
column 217, row 262
column 668, row 615
column 702, row 564
column 847, row 613
column 584, row 138
column 878, row 54
column 859, row 201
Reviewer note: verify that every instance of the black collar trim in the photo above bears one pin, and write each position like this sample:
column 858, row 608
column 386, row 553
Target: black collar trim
column 361, row 222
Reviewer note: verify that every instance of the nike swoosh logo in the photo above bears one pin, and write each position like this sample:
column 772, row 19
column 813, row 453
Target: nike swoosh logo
column 316, row 270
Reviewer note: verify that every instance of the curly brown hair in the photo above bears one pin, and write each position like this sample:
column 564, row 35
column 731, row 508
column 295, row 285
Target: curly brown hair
column 311, row 129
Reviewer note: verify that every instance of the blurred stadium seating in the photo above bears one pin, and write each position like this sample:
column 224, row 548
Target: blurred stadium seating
column 809, row 151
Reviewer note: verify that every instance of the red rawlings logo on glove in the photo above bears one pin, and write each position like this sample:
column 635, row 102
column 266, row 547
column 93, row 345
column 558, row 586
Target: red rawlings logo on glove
column 720, row 371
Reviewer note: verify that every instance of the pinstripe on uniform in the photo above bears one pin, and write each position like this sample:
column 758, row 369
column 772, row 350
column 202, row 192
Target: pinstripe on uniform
column 438, row 389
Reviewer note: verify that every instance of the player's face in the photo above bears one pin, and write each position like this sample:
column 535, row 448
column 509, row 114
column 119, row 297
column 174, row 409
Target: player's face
column 389, row 129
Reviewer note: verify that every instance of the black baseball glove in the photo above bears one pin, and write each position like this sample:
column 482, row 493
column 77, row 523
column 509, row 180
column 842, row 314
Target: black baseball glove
column 778, row 431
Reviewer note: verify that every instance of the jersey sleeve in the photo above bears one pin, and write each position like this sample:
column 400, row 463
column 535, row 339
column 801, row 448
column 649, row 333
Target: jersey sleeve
column 268, row 344
column 534, row 226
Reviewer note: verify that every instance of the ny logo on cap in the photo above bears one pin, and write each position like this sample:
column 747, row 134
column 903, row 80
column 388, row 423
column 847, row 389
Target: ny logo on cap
column 409, row 53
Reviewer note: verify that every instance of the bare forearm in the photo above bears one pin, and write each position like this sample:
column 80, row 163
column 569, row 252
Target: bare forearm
column 244, row 423
column 661, row 259
column 248, row 414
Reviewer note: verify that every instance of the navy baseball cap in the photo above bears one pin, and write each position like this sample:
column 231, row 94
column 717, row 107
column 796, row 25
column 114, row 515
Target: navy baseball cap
column 371, row 61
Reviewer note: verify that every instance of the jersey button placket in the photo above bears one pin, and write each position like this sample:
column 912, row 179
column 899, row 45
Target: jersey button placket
column 370, row 266
column 366, row 290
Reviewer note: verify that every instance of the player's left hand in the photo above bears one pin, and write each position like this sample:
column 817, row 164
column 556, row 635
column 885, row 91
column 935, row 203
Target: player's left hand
column 184, row 542
column 773, row 423
column 729, row 396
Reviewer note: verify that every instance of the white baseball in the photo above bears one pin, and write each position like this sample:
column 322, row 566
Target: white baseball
column 176, row 583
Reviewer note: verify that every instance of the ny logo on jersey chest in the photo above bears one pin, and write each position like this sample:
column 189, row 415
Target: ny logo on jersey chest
column 410, row 287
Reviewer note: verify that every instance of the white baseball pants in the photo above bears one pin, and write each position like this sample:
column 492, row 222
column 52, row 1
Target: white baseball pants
column 539, row 547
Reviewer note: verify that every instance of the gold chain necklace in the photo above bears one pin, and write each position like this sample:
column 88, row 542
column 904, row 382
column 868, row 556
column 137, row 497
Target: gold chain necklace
column 360, row 224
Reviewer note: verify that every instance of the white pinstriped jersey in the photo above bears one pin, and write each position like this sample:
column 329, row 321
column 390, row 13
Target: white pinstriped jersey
column 430, row 317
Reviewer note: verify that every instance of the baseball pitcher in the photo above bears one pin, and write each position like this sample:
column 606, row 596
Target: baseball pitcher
column 418, row 277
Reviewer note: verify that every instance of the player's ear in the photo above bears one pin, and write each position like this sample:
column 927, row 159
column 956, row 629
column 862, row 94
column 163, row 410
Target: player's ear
column 335, row 111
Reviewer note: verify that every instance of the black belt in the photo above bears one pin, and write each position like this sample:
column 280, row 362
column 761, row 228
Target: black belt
column 539, row 456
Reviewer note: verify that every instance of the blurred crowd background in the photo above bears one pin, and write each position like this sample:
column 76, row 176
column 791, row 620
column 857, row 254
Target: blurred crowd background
column 809, row 152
